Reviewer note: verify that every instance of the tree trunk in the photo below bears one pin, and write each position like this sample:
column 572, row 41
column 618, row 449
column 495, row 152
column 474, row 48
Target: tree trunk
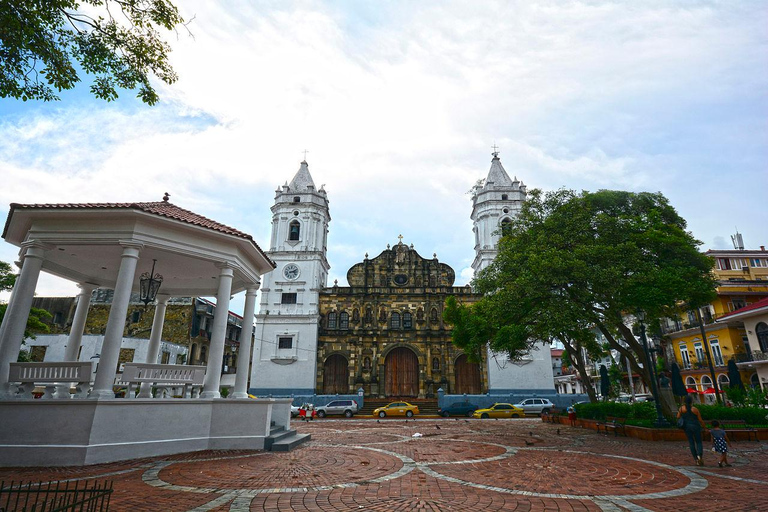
column 577, row 359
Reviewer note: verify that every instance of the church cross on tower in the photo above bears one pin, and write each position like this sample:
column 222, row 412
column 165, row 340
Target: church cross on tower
column 495, row 150
column 305, row 154
column 400, row 237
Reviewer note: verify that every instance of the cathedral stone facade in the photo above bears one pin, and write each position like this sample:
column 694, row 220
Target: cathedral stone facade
column 385, row 333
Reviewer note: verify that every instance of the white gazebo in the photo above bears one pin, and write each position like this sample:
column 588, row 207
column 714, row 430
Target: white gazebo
column 111, row 245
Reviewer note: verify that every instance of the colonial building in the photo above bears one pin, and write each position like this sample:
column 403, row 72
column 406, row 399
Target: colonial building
column 383, row 332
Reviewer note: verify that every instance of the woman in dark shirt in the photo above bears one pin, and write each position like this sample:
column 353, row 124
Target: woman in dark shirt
column 693, row 426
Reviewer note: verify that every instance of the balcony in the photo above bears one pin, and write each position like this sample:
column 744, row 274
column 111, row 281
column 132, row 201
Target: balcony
column 757, row 355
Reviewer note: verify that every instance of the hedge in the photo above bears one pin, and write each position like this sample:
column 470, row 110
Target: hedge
column 640, row 413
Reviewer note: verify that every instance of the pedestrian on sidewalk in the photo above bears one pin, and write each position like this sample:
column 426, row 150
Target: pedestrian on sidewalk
column 692, row 425
column 720, row 443
column 572, row 415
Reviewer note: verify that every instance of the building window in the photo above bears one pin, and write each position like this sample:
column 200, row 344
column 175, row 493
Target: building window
column 737, row 304
column 699, row 349
column 135, row 316
column 706, row 383
column 505, row 225
column 343, row 320
column 723, row 264
column 288, row 298
column 285, row 342
column 294, row 230
column 759, row 263
column 394, row 320
column 504, row 197
column 165, row 357
column 717, row 354
column 332, row 320
column 58, row 318
column 761, row 330
column 435, row 364
column 368, row 316
column 722, row 382
column 420, row 314
column 407, row 320
column 684, row 357
column 355, row 315
column 296, row 199
column 433, row 315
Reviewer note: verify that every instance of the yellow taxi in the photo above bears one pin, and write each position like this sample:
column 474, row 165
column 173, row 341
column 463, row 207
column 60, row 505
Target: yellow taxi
column 500, row 411
column 396, row 409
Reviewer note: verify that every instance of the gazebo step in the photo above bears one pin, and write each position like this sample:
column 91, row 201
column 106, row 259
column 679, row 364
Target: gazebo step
column 290, row 442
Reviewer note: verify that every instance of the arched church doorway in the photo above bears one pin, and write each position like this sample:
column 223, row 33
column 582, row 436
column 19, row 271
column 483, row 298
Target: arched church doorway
column 467, row 377
column 335, row 375
column 401, row 373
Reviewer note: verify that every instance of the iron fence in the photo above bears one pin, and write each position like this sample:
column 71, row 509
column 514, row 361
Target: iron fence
column 55, row 497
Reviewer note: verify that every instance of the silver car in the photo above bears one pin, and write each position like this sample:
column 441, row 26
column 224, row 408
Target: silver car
column 346, row 407
column 536, row 405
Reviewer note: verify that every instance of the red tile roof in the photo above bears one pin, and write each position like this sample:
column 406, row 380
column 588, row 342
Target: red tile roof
column 161, row 208
column 755, row 305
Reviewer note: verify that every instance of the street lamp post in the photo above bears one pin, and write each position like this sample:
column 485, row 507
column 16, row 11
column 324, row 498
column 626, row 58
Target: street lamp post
column 660, row 420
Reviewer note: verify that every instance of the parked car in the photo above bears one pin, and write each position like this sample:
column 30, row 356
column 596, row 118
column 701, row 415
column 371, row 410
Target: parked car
column 536, row 405
column 500, row 411
column 346, row 407
column 458, row 409
column 396, row 409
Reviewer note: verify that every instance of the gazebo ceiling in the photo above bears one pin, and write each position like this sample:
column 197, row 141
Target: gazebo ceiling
column 84, row 244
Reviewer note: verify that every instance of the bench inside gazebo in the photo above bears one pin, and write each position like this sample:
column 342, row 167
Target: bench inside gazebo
column 79, row 419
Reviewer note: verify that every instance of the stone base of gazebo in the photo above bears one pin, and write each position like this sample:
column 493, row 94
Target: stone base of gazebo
column 83, row 432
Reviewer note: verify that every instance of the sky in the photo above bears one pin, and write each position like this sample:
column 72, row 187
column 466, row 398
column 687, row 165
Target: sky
column 398, row 104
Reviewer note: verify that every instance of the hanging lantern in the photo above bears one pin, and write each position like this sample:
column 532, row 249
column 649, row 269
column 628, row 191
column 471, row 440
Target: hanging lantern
column 149, row 284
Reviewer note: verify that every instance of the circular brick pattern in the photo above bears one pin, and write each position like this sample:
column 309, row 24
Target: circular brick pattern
column 437, row 450
column 358, row 438
column 312, row 467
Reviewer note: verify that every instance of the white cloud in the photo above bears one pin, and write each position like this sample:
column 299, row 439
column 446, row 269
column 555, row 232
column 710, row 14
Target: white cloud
column 399, row 104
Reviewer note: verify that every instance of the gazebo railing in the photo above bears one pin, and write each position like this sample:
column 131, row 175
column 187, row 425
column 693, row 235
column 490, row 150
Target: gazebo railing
column 168, row 380
column 56, row 378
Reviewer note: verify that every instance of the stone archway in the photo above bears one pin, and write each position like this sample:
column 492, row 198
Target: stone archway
column 336, row 375
column 401, row 373
column 468, row 379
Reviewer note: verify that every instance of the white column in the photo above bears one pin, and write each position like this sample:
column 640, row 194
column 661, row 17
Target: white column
column 78, row 322
column 157, row 329
column 113, row 334
column 17, row 312
column 153, row 350
column 244, row 361
column 76, row 332
column 218, row 333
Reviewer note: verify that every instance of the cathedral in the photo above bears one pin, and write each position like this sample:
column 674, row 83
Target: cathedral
column 383, row 333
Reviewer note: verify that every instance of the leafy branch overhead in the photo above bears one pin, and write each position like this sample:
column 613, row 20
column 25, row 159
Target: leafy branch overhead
column 575, row 263
column 45, row 47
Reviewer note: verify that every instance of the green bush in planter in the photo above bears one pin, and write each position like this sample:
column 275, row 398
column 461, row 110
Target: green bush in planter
column 754, row 416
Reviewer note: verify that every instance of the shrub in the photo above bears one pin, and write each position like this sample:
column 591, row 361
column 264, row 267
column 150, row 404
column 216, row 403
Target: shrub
column 600, row 411
column 752, row 415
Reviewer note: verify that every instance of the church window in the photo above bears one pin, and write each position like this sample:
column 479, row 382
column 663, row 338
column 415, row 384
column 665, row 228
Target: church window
column 435, row 364
column 382, row 316
column 368, row 315
column 332, row 320
column 433, row 315
column 294, row 229
column 394, row 321
column 344, row 320
column 432, row 281
column 504, row 197
column 285, row 342
column 407, row 320
column 401, row 279
column 505, row 225
column 367, row 363
column 288, row 298
column 296, row 199
column 355, row 315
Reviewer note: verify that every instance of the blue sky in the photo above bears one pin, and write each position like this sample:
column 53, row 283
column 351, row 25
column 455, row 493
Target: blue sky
column 399, row 103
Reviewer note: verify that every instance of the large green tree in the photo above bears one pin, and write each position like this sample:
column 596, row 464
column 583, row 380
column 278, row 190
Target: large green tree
column 46, row 45
column 35, row 322
column 572, row 262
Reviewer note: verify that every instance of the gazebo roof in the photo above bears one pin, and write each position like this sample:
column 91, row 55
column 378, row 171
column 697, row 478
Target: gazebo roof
column 88, row 239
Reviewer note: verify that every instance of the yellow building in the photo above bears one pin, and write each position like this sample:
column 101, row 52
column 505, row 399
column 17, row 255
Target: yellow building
column 743, row 280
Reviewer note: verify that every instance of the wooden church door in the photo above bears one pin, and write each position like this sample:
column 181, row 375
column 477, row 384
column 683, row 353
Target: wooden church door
column 335, row 375
column 467, row 377
column 401, row 373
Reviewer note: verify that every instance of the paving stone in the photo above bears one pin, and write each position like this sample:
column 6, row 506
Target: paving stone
column 361, row 464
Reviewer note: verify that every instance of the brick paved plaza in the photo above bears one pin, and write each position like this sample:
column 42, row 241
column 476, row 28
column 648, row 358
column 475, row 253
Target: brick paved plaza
column 365, row 464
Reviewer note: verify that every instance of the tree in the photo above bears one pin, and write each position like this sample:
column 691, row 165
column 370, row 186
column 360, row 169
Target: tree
column 571, row 262
column 35, row 322
column 7, row 277
column 46, row 46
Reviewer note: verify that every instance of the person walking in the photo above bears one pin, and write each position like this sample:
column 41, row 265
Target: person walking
column 572, row 415
column 720, row 443
column 692, row 425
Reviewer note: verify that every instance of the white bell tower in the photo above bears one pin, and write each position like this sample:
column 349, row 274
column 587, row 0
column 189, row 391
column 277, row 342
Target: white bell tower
column 284, row 354
column 496, row 201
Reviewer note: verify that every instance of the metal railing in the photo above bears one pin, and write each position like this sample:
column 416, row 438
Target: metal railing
column 55, row 497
